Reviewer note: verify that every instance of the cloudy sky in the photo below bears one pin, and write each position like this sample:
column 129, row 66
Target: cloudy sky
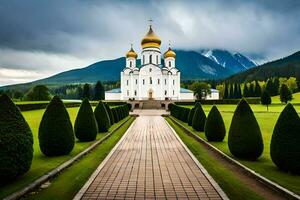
column 39, row 38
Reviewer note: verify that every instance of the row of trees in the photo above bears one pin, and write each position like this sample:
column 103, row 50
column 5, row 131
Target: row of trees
column 56, row 135
column 244, row 136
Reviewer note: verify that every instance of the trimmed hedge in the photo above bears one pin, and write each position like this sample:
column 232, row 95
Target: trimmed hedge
column 285, row 148
column 102, row 117
column 56, row 136
column 16, row 141
column 255, row 100
column 85, row 127
column 214, row 126
column 244, row 137
column 111, row 117
column 191, row 116
column 199, row 118
column 180, row 112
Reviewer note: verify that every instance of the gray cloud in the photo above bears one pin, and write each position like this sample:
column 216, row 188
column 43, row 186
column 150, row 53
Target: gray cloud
column 51, row 36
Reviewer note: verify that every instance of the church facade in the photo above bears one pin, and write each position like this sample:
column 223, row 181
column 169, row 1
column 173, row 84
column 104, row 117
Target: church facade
column 157, row 77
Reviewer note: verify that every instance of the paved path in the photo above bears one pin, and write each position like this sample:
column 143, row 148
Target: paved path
column 150, row 162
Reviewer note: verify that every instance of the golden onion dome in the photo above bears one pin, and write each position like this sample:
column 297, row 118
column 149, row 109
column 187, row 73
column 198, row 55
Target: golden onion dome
column 131, row 54
column 151, row 39
column 170, row 53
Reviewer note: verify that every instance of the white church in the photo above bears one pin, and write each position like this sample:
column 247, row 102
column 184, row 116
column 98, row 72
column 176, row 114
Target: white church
column 152, row 80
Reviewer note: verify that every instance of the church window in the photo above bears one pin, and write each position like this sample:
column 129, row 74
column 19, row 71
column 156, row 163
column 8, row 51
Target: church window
column 173, row 82
column 127, row 92
column 150, row 80
column 150, row 58
column 134, row 92
column 143, row 81
column 130, row 63
column 143, row 59
column 173, row 92
column 158, row 81
column 136, row 81
column 165, row 81
column 156, row 59
column 165, row 92
column 150, row 69
column 127, row 82
column 169, row 63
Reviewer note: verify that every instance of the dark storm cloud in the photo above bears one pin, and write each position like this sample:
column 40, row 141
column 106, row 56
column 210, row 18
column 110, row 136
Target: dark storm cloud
column 50, row 36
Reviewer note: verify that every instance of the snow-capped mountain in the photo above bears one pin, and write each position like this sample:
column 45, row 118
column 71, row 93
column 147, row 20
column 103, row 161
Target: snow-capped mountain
column 233, row 61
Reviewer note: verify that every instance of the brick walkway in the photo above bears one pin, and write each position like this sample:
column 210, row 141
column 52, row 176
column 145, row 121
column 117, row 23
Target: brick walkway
column 150, row 162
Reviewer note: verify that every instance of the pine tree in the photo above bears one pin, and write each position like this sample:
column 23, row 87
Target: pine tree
column 191, row 116
column 99, row 92
column 231, row 92
column 56, row 136
column 239, row 91
column 251, row 90
column 85, row 127
column 244, row 137
column 226, row 91
column 235, row 91
column 257, row 90
column 16, row 141
column 246, row 90
column 285, row 93
column 266, row 99
column 86, row 91
column 276, row 85
column 269, row 87
column 285, row 148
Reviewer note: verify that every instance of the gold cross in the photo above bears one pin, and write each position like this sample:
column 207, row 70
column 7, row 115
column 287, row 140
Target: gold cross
column 150, row 21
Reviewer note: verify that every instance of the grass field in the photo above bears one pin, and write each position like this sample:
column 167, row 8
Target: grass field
column 264, row 164
column 61, row 188
column 232, row 185
column 41, row 164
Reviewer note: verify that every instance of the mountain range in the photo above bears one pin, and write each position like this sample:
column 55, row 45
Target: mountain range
column 284, row 67
column 201, row 64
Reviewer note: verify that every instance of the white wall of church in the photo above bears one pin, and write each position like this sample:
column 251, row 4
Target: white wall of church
column 112, row 96
column 151, row 55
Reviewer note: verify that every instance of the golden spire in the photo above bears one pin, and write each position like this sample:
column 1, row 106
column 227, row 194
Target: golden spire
column 131, row 53
column 151, row 39
column 170, row 53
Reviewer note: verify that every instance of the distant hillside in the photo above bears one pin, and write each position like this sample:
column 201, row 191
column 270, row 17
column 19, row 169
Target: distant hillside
column 285, row 67
column 192, row 64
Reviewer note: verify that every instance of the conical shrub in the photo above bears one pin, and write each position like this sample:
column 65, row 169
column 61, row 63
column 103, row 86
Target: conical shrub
column 56, row 136
column 244, row 137
column 214, row 126
column 85, row 127
column 102, row 117
column 191, row 116
column 109, row 112
column 199, row 118
column 285, row 148
column 16, row 141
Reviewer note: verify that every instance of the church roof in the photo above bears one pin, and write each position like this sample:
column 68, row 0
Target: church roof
column 183, row 90
column 116, row 90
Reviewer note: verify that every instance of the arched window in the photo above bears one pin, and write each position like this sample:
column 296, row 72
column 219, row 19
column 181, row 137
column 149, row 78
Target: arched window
column 165, row 92
column 165, row 81
column 150, row 80
column 127, row 82
column 157, row 59
column 150, row 59
column 158, row 81
column 173, row 92
column 136, row 81
column 169, row 63
column 173, row 82
column 130, row 64
column 143, row 59
column 134, row 92
column 143, row 81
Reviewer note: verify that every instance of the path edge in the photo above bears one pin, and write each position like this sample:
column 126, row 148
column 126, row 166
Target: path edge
column 270, row 184
column 84, row 188
column 50, row 174
column 200, row 166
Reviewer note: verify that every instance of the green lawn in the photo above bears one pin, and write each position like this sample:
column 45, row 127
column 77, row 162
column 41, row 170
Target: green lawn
column 231, row 184
column 79, row 173
column 41, row 164
column 264, row 164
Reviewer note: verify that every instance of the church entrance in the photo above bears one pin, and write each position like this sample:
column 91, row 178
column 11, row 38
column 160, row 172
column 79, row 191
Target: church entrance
column 150, row 94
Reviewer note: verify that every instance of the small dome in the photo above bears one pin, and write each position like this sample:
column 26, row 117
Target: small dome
column 151, row 39
column 170, row 53
column 131, row 54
